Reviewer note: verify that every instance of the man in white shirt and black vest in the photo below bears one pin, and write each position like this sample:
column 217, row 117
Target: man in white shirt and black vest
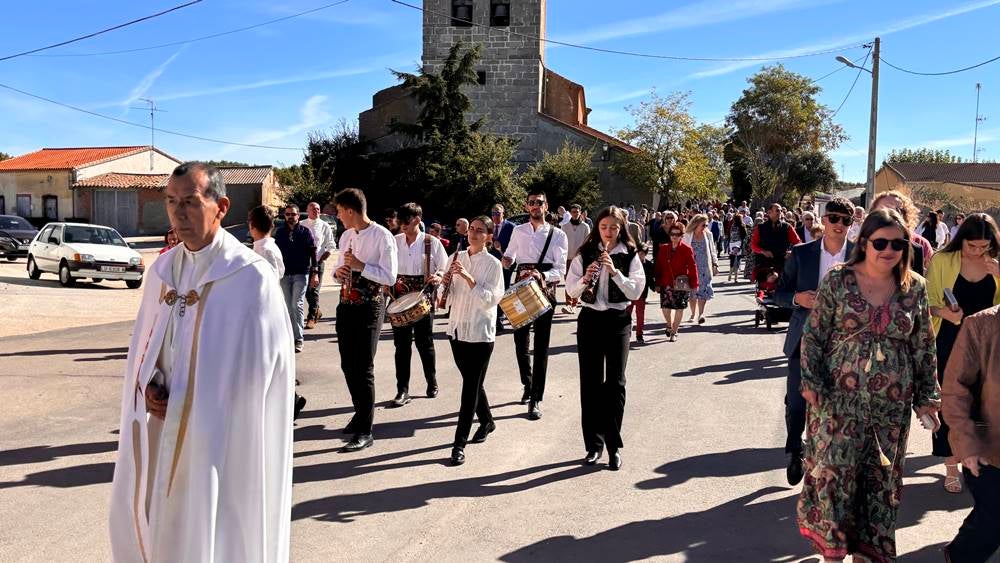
column 422, row 261
column 366, row 267
column 539, row 250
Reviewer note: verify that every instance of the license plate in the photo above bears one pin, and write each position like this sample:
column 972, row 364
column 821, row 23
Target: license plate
column 115, row 269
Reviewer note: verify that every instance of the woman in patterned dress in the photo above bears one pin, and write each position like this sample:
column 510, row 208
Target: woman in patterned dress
column 868, row 356
column 705, row 257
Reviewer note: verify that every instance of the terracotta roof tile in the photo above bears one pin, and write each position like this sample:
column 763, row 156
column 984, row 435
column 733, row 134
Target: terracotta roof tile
column 66, row 158
column 959, row 172
column 245, row 174
column 117, row 180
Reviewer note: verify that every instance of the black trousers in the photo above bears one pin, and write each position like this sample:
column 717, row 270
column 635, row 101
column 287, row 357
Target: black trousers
column 473, row 360
column 358, row 328
column 602, row 339
column 795, row 406
column 312, row 293
column 979, row 537
column 534, row 380
column 421, row 333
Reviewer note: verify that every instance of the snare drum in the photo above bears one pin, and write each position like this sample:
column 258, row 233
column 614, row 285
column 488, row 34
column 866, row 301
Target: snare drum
column 524, row 302
column 408, row 309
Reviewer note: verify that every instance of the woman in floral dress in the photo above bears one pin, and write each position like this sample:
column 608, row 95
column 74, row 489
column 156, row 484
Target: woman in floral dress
column 699, row 238
column 868, row 356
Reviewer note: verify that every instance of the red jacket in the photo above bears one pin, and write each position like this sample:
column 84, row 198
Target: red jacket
column 672, row 262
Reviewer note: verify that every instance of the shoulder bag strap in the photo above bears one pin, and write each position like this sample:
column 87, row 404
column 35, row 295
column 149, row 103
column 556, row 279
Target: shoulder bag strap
column 427, row 255
column 548, row 240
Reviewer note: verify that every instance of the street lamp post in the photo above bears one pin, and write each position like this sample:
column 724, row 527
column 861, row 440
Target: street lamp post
column 873, row 121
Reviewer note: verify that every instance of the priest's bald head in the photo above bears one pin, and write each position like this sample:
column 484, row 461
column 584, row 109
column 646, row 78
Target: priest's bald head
column 196, row 203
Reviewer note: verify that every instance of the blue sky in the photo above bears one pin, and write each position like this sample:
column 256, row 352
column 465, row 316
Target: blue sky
column 274, row 84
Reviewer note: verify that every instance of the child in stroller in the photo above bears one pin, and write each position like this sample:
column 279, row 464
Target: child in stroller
column 768, row 310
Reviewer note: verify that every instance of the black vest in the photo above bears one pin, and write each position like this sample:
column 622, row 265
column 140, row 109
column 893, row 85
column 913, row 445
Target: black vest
column 622, row 261
column 774, row 237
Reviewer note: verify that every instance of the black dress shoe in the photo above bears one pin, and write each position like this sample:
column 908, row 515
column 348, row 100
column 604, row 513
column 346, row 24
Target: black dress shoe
column 794, row 471
column 300, row 402
column 359, row 442
column 592, row 458
column 482, row 432
column 432, row 391
column 615, row 463
column 526, row 396
column 401, row 399
column 534, row 410
column 457, row 456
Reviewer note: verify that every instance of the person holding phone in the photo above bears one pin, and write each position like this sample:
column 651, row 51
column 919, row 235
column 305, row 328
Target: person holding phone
column 962, row 280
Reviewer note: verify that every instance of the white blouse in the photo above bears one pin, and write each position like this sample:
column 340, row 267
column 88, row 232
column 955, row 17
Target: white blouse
column 631, row 286
column 374, row 246
column 473, row 315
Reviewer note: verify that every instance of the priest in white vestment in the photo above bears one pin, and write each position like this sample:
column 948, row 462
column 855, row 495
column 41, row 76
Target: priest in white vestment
column 204, row 470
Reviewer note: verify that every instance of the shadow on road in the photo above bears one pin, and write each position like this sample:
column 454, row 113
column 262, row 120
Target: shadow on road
column 66, row 477
column 40, row 454
column 722, row 464
column 738, row 372
column 112, row 353
column 345, row 508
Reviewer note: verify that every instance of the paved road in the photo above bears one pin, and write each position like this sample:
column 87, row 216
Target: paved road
column 703, row 479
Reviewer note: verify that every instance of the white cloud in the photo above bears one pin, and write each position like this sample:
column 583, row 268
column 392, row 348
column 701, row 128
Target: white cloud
column 965, row 141
column 708, row 12
column 313, row 115
column 147, row 81
column 896, row 27
column 243, row 86
column 617, row 98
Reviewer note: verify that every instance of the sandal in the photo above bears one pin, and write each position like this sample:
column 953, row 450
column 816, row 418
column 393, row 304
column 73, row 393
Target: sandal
column 952, row 484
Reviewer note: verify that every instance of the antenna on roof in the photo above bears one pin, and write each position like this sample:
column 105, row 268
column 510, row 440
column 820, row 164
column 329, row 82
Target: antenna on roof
column 979, row 118
column 152, row 126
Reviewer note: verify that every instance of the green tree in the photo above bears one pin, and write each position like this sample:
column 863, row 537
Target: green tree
column 225, row 163
column 922, row 155
column 809, row 172
column 701, row 170
column 567, row 176
column 4, row 156
column 776, row 118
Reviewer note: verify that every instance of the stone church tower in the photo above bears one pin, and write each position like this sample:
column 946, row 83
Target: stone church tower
column 511, row 70
column 517, row 96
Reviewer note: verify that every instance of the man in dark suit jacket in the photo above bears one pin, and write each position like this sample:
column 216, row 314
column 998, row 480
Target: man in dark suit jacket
column 797, row 286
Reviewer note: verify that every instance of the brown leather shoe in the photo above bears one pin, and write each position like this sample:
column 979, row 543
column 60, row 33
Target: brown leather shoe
column 311, row 323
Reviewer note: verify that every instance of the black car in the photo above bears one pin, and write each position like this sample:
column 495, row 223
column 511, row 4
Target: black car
column 15, row 237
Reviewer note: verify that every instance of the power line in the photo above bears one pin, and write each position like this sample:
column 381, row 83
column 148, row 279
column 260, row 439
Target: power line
column 507, row 31
column 140, row 125
column 956, row 71
column 202, row 38
column 101, row 32
column 853, row 84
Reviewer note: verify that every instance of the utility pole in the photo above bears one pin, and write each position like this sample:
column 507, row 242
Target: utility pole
column 975, row 135
column 151, row 106
column 873, row 126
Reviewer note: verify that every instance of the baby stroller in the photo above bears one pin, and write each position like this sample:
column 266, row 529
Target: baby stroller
column 768, row 310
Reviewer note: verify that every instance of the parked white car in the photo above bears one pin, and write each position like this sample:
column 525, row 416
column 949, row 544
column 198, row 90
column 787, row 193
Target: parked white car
column 77, row 250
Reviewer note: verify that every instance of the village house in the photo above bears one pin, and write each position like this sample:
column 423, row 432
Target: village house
column 966, row 185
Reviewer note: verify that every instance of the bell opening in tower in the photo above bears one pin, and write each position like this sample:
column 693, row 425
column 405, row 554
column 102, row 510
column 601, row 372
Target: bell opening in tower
column 461, row 13
column 500, row 13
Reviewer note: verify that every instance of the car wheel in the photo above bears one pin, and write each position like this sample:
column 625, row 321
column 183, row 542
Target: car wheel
column 133, row 284
column 11, row 258
column 65, row 277
column 33, row 271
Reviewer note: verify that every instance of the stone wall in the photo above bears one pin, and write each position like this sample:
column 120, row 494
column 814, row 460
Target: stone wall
column 511, row 96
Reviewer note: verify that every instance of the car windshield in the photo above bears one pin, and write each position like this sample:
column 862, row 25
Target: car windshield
column 14, row 224
column 92, row 235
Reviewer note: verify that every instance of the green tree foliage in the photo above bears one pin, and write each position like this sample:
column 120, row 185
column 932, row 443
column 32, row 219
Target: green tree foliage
column 567, row 176
column 332, row 161
column 677, row 158
column 922, row 156
column 225, row 163
column 4, row 156
column 809, row 172
column 776, row 122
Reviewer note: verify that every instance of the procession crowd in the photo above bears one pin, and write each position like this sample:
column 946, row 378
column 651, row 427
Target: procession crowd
column 888, row 314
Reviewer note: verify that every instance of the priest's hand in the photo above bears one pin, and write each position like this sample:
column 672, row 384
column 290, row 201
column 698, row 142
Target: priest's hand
column 156, row 400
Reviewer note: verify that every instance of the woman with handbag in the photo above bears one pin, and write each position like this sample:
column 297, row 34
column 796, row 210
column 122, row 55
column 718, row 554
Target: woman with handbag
column 676, row 277
column 606, row 275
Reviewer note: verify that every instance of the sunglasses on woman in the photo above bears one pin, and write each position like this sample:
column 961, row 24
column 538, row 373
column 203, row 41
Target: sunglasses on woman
column 880, row 244
column 676, row 234
column 835, row 219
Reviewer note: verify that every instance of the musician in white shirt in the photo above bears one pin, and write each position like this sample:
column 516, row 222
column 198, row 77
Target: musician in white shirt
column 422, row 260
column 367, row 264
column 606, row 276
column 323, row 237
column 539, row 250
column 475, row 286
